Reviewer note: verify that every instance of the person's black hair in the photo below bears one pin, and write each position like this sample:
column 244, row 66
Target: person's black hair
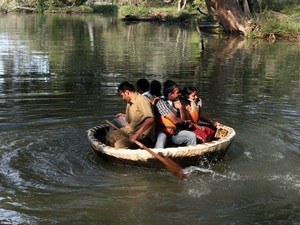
column 155, row 88
column 186, row 91
column 126, row 86
column 142, row 84
column 169, row 86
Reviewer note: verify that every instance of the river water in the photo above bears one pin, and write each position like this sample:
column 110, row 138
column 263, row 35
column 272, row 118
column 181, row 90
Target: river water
column 58, row 78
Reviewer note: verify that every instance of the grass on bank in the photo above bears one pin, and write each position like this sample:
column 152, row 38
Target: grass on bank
column 169, row 14
column 70, row 9
column 107, row 9
column 284, row 25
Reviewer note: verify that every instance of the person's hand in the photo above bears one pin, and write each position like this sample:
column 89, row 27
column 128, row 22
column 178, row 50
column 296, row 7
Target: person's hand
column 188, row 123
column 119, row 115
column 127, row 126
column 132, row 138
column 177, row 105
column 216, row 124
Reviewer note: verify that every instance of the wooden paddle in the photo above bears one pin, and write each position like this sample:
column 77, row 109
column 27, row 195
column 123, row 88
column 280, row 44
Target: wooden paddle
column 169, row 164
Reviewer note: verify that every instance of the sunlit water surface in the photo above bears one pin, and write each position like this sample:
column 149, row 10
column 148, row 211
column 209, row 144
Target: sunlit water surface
column 58, row 77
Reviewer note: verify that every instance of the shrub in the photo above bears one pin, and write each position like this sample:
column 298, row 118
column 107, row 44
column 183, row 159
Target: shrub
column 105, row 9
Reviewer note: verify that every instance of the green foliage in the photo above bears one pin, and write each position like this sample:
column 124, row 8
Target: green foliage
column 183, row 16
column 135, row 11
column 50, row 3
column 277, row 5
column 68, row 9
column 271, row 23
column 105, row 9
column 170, row 14
column 65, row 6
column 199, row 3
column 292, row 10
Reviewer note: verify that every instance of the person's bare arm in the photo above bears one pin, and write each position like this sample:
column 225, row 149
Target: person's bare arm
column 144, row 126
column 174, row 119
column 213, row 123
column 181, row 109
column 119, row 115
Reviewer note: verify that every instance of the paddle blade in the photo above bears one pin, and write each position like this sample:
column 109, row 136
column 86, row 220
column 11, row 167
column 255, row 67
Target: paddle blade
column 170, row 165
column 173, row 168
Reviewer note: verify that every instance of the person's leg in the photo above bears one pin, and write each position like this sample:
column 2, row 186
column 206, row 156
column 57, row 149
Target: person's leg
column 113, row 136
column 210, row 133
column 147, row 142
column 205, row 133
column 200, row 134
column 184, row 137
column 125, row 143
column 161, row 140
column 119, row 122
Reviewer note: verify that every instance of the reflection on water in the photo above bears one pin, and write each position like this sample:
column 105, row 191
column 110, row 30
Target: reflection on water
column 58, row 77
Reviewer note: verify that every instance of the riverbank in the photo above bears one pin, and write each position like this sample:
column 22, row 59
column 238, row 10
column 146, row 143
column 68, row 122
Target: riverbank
column 269, row 24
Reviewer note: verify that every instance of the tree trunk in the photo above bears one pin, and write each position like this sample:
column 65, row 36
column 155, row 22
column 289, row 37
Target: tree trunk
column 231, row 15
column 181, row 4
column 246, row 7
column 210, row 4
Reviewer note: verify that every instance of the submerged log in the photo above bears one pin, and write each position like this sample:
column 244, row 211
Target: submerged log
column 153, row 18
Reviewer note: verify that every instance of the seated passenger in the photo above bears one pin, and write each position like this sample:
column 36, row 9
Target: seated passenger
column 142, row 87
column 139, row 117
column 193, row 106
column 155, row 88
column 169, row 117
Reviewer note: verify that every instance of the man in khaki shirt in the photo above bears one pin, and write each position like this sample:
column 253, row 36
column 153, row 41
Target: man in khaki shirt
column 140, row 118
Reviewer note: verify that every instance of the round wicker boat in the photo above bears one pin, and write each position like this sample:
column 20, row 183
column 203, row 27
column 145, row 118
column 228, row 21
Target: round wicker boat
column 183, row 155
